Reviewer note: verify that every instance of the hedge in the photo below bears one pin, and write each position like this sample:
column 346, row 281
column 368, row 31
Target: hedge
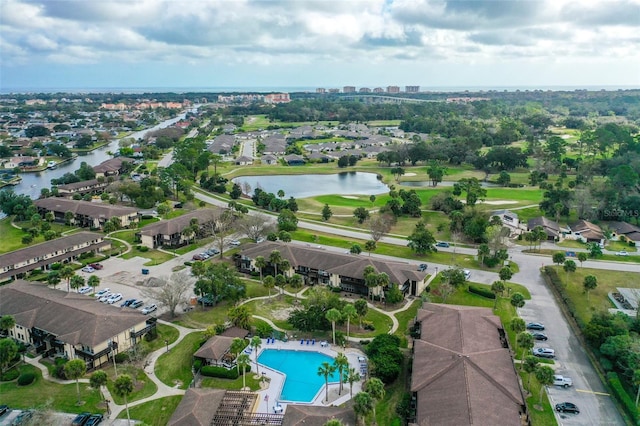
column 557, row 284
column 627, row 402
column 26, row 379
column 215, row 371
column 481, row 291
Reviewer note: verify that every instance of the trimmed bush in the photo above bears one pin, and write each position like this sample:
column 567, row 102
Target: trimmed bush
column 622, row 395
column 26, row 379
column 197, row 364
column 481, row 291
column 122, row 357
column 221, row 372
column 10, row 375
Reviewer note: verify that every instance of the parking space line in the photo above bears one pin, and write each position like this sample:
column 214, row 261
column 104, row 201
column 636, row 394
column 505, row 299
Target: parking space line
column 593, row 392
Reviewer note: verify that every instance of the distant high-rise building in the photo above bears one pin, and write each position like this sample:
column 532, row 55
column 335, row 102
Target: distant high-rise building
column 277, row 98
column 378, row 90
column 365, row 90
column 349, row 89
column 334, row 90
column 393, row 89
column 412, row 89
column 321, row 90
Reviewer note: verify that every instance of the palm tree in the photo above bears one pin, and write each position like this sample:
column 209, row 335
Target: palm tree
column 296, row 282
column 269, row 283
column 333, row 315
column 237, row 345
column 123, row 386
column 326, row 370
column 529, row 366
column 524, row 341
column 76, row 282
column 260, row 263
column 483, row 251
column 375, row 388
column 53, row 278
column 7, row 322
column 255, row 343
column 274, row 259
column 75, row 369
column 363, row 404
column 98, row 379
column 590, row 282
column 341, row 364
column 93, row 281
column 349, row 312
column 243, row 361
column 352, row 377
column 497, row 288
column 544, row 374
column 285, row 266
column 569, row 266
column 66, row 273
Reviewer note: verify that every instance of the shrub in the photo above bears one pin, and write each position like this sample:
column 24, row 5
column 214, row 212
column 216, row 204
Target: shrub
column 368, row 325
column 56, row 266
column 622, row 396
column 26, row 379
column 490, row 261
column 197, row 364
column 221, row 372
column 263, row 329
column 122, row 357
column 335, row 289
column 142, row 249
column 481, row 291
column 188, row 263
column 10, row 375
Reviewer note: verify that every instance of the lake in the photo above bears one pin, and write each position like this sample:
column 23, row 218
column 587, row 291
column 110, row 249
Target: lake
column 303, row 186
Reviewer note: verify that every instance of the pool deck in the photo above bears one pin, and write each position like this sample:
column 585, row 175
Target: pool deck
column 268, row 398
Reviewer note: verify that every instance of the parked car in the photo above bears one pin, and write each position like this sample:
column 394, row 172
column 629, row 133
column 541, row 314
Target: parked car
column 84, row 290
column 114, row 298
column 544, row 352
column 259, row 240
column 103, row 292
column 148, row 309
column 127, row 303
column 622, row 253
column 570, row 253
column 105, row 297
column 81, row 419
column 563, row 381
column 136, row 304
column 567, row 407
column 94, row 420
column 3, row 409
column 422, row 267
column 442, row 244
column 197, row 257
column 539, row 336
column 88, row 269
column 467, row 274
column 96, row 266
column 212, row 252
column 234, row 242
column 535, row 326
column 22, row 418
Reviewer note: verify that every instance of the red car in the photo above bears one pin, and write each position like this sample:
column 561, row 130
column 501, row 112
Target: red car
column 96, row 266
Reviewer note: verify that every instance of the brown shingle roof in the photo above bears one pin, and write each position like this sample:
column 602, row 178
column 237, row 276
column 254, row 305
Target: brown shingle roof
column 111, row 165
column 587, row 230
column 197, row 407
column 178, row 224
column 298, row 415
column 551, row 228
column 85, row 208
column 73, row 318
column 214, row 348
column 461, row 372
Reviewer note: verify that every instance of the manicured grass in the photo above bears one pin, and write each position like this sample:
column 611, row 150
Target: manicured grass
column 255, row 288
column 174, row 368
column 165, row 332
column 153, row 413
column 236, row 384
column 266, row 309
column 203, row 318
column 541, row 415
column 598, row 299
column 155, row 257
column 386, row 408
column 143, row 386
column 550, row 252
column 381, row 323
column 405, row 317
column 45, row 393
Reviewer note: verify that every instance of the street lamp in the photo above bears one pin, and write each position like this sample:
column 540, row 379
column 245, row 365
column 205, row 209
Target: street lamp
column 166, row 342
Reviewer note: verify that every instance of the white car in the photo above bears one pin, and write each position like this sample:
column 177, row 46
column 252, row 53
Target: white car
column 544, row 352
column 467, row 274
column 563, row 381
column 148, row 309
column 84, row 290
column 105, row 297
column 88, row 269
column 622, row 253
column 234, row 242
column 114, row 298
column 103, row 292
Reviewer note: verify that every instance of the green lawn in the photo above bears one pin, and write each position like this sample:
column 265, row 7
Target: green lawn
column 405, row 317
column 155, row 257
column 203, row 318
column 143, row 385
column 174, row 368
column 43, row 393
column 153, row 413
column 381, row 323
column 541, row 415
column 235, row 384
column 272, row 308
column 165, row 332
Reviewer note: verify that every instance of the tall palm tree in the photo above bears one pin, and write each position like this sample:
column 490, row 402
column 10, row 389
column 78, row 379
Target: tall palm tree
column 326, row 370
column 334, row 316
column 255, row 343
column 75, row 369
column 243, row 362
column 349, row 312
column 375, row 388
column 352, row 377
column 269, row 283
column 123, row 386
column 260, row 263
column 296, row 282
column 66, row 273
column 274, row 259
column 363, row 404
column 341, row 363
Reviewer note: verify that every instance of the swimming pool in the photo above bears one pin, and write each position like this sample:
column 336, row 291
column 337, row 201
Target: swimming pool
column 302, row 382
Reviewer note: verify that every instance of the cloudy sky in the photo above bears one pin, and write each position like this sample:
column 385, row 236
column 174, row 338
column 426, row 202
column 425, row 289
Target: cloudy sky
column 327, row 43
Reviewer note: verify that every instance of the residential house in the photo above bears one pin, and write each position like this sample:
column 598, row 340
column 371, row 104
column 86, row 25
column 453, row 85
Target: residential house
column 464, row 350
column 197, row 407
column 170, row 233
column 507, row 217
column 586, row 231
column 24, row 162
column 294, row 160
column 308, row 415
column 244, row 160
column 551, row 228
column 625, row 230
column 269, row 159
column 88, row 214
column 93, row 186
column 70, row 325
column 40, row 256
column 222, row 144
column 274, row 144
column 113, row 167
column 346, row 271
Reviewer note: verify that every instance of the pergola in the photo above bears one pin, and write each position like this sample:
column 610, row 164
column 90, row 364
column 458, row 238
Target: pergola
column 235, row 409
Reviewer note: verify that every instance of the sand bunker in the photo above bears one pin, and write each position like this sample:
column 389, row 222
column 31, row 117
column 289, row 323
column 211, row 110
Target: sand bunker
column 351, row 197
column 409, row 174
column 499, row 202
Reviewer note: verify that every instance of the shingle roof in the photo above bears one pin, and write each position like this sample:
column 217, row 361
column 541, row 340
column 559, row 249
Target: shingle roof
column 85, row 208
column 81, row 184
column 551, row 228
column 197, row 407
column 298, row 415
column 214, row 348
column 111, row 165
column 461, row 372
column 178, row 224
column 74, row 318
column 587, row 229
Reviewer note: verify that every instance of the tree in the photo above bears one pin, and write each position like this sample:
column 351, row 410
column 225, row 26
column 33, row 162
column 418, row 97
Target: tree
column 7, row 322
column 436, row 172
column 269, row 283
column 243, row 362
column 237, row 345
column 518, row 325
column 636, row 382
column 171, row 291
column 544, row 375
column 582, row 257
column 325, row 369
column 123, row 386
column 275, row 259
column 473, row 189
column 370, row 246
column 66, row 273
column 53, row 278
column 363, row 404
column 525, row 342
column 444, row 290
column 505, row 274
column 260, row 262
column 483, row 252
column 361, row 214
column 341, row 364
column 517, row 300
column 284, row 236
column 255, row 226
column 93, row 282
column 352, row 377
column 569, row 266
column 255, row 343
column 349, row 312
column 287, row 221
column 530, row 365
column 558, row 258
column 296, row 282
column 76, row 282
column 361, row 308
column 8, row 351
column 75, row 369
column 594, row 250
column 504, row 179
column 421, row 241
column 355, row 249
column 326, row 212
column 97, row 379
column 240, row 316
column 333, row 315
column 590, row 283
column 375, row 388
column 379, row 225
column 497, row 288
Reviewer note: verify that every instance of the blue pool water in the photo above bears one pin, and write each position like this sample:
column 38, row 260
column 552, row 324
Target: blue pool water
column 301, row 368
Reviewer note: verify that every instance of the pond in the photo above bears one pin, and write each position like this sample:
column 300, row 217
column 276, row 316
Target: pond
column 302, row 186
